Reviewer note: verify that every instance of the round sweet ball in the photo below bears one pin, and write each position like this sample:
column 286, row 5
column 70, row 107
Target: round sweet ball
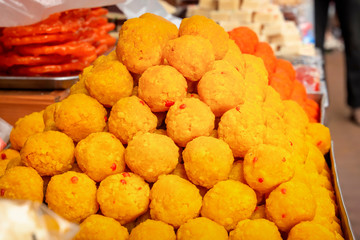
column 174, row 200
column 295, row 116
column 99, row 155
column 316, row 156
column 289, row 204
column 150, row 155
column 24, row 128
column 22, row 183
column 9, row 154
column 255, row 229
column 161, row 86
column 297, row 144
column 166, row 29
column 207, row 161
column 98, row 227
column 310, row 230
column 123, row 196
column 72, row 195
column 4, row 166
column 201, row 228
column 152, row 229
column 131, row 116
column 139, row 47
column 79, row 86
column 229, row 202
column 49, row 153
column 222, row 88
column 255, row 65
column 235, row 57
column 319, row 135
column 109, row 81
column 325, row 205
column 266, row 166
column 273, row 101
column 49, row 116
column 188, row 119
column 202, row 26
column 242, row 128
column 191, row 55
column 79, row 115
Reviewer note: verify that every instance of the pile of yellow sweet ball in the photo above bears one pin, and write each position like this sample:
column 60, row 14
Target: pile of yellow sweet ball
column 175, row 135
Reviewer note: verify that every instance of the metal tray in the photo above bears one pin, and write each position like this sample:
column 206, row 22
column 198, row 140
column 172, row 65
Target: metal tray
column 36, row 83
column 322, row 100
column 345, row 222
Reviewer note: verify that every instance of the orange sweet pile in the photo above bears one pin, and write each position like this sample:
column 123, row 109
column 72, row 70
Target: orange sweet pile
column 62, row 44
column 281, row 73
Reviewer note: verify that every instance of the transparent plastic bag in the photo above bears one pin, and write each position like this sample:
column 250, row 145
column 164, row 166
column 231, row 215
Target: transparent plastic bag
column 27, row 220
column 19, row 13
column 5, row 129
column 135, row 8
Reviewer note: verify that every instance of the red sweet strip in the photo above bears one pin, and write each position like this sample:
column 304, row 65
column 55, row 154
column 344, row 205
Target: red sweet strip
column 11, row 59
column 74, row 48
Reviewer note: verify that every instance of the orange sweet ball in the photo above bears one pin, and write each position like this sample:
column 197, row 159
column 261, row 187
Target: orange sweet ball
column 289, row 204
column 167, row 29
column 312, row 109
column 319, row 135
column 206, row 28
column 235, row 57
column 265, row 52
column 191, row 55
column 285, row 66
column 245, row 38
column 299, row 93
column 282, row 84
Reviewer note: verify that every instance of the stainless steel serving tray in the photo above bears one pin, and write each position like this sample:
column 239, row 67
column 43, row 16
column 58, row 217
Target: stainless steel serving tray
column 345, row 222
column 36, row 83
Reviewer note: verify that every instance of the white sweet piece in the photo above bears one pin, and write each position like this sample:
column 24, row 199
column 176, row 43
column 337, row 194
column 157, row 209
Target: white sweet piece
column 256, row 27
column 307, row 49
column 243, row 16
column 273, row 28
column 229, row 25
column 253, row 4
column 219, row 16
column 228, row 4
column 199, row 11
column 290, row 48
column 207, row 4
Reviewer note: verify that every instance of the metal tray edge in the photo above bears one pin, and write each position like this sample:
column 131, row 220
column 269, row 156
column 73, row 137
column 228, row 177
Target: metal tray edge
column 345, row 221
